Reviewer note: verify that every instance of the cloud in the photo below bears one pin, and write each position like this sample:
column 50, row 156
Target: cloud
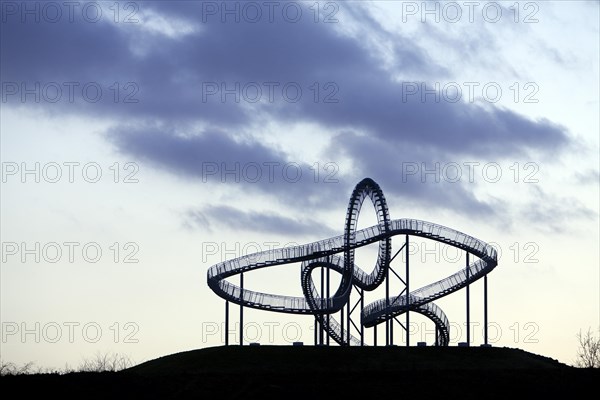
column 174, row 78
column 349, row 74
column 399, row 170
column 216, row 158
column 549, row 213
column 255, row 221
column 590, row 176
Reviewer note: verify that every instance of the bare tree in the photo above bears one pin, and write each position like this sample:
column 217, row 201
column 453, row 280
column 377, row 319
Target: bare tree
column 588, row 354
column 9, row 368
column 105, row 362
column 99, row 363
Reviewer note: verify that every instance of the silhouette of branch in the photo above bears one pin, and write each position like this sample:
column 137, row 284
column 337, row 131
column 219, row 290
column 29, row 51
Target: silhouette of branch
column 588, row 354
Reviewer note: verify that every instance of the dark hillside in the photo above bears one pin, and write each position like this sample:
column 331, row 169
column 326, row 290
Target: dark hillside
column 286, row 371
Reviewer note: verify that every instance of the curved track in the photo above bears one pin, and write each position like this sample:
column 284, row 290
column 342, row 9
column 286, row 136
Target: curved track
column 323, row 253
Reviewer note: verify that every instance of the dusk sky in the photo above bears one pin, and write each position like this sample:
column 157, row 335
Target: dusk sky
column 143, row 142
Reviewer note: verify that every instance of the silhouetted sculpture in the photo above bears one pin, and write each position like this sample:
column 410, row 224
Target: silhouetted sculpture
column 325, row 254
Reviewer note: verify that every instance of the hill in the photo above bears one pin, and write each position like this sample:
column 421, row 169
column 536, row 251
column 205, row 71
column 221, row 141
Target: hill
column 286, row 371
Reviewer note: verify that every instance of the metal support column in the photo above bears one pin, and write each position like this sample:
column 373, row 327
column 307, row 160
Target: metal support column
column 362, row 327
column 241, row 309
column 392, row 331
column 407, row 294
column 468, row 304
column 321, row 330
column 375, row 336
column 328, row 315
column 348, row 311
column 226, row 323
column 342, row 325
column 387, row 305
column 485, row 311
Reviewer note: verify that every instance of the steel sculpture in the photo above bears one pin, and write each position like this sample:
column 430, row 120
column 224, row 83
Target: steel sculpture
column 325, row 255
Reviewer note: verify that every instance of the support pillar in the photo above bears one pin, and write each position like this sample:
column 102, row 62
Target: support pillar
column 407, row 294
column 226, row 323
column 375, row 336
column 328, row 296
column 321, row 330
column 362, row 327
column 387, row 306
column 468, row 304
column 342, row 326
column 485, row 311
column 241, row 309
column 348, row 321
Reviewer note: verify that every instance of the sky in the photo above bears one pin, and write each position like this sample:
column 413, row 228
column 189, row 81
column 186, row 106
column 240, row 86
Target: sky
column 143, row 142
